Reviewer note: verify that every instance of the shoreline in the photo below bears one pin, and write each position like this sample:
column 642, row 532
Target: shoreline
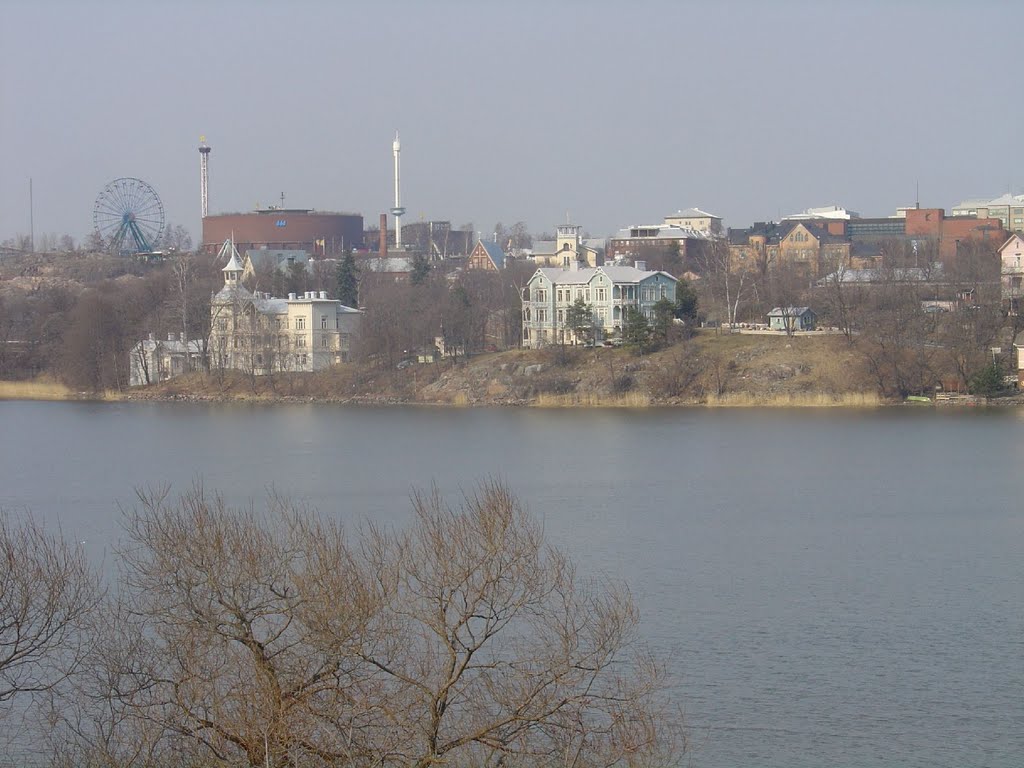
column 55, row 392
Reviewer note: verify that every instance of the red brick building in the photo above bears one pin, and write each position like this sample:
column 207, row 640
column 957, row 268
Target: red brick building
column 320, row 233
column 949, row 231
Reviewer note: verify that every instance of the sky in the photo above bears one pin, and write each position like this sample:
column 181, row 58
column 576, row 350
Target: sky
column 610, row 113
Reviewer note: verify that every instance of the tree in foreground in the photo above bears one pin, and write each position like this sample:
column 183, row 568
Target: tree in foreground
column 48, row 594
column 465, row 640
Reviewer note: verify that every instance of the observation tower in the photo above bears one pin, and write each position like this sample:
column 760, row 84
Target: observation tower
column 398, row 210
column 204, row 178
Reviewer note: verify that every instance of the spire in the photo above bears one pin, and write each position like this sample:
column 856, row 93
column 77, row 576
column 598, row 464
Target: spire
column 233, row 269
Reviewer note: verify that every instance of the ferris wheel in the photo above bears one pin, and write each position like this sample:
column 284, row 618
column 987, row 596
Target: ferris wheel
column 129, row 216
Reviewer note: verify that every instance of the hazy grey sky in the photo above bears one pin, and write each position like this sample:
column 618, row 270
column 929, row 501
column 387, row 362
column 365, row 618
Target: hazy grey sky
column 618, row 112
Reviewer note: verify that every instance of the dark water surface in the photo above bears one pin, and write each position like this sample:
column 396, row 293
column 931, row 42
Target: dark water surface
column 834, row 588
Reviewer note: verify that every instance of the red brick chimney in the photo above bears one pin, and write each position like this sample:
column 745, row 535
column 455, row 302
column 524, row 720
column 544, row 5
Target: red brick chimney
column 382, row 249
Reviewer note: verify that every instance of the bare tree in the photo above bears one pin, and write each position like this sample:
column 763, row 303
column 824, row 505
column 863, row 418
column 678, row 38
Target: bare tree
column 47, row 593
column 726, row 285
column 492, row 650
column 260, row 639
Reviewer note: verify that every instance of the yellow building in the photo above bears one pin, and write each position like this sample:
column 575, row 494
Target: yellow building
column 706, row 223
column 259, row 334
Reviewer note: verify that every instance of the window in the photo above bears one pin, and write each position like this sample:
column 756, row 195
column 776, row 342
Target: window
column 323, row 322
column 300, row 341
column 222, row 324
column 300, row 323
column 323, row 341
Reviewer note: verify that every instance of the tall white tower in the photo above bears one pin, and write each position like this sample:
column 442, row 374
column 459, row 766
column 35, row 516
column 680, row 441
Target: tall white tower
column 204, row 153
column 398, row 210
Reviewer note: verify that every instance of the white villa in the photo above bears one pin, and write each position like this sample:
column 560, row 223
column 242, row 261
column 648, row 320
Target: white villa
column 255, row 333
column 154, row 360
column 609, row 290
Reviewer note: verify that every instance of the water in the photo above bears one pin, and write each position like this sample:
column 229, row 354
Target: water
column 831, row 588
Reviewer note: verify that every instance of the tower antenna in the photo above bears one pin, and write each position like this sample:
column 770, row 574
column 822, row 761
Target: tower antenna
column 398, row 210
column 204, row 196
column 31, row 220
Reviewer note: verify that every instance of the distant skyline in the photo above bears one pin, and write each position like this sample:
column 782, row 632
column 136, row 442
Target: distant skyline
column 617, row 113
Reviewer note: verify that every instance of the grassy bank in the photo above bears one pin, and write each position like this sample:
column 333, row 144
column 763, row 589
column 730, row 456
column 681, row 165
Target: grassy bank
column 796, row 400
column 711, row 370
column 35, row 390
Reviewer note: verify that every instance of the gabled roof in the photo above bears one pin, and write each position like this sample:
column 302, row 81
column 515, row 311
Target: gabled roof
column 617, row 275
column 1009, row 240
column 494, row 253
column 790, row 311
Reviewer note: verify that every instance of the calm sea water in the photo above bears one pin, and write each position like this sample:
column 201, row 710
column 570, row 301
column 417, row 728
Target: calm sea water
column 832, row 588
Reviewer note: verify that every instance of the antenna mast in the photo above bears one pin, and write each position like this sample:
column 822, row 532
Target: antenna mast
column 398, row 210
column 204, row 153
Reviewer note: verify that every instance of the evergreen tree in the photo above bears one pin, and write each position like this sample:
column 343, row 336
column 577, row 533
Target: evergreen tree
column 420, row 269
column 635, row 330
column 579, row 318
column 664, row 311
column 686, row 301
column 348, row 281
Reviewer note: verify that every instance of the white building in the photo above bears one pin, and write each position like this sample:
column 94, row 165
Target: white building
column 697, row 220
column 257, row 333
column 1011, row 257
column 609, row 290
column 1008, row 208
column 824, row 212
column 154, row 360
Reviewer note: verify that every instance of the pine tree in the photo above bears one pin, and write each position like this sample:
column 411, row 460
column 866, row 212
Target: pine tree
column 348, row 281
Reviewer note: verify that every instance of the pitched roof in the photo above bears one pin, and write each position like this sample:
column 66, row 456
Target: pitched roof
column 232, row 265
column 582, row 276
column 769, row 230
column 494, row 253
column 790, row 311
